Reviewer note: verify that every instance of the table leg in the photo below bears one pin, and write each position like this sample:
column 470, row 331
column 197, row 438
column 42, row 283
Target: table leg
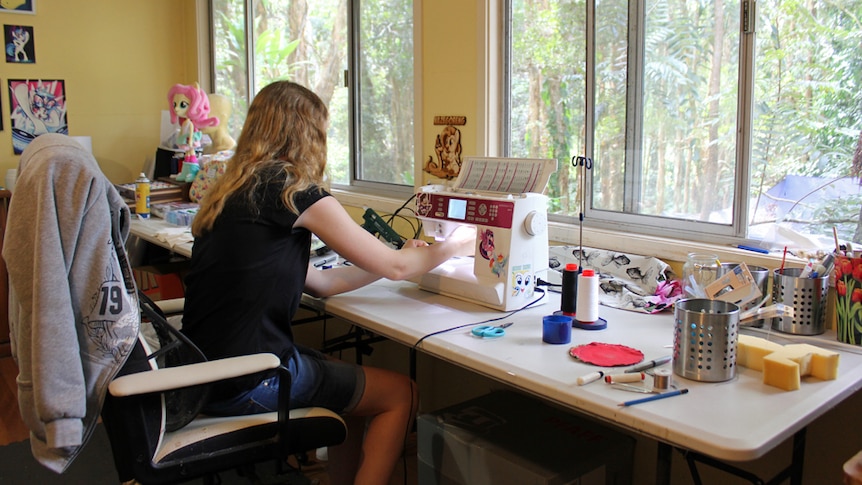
column 662, row 464
column 793, row 471
column 798, row 457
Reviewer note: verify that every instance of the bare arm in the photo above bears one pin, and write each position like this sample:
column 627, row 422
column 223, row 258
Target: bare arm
column 371, row 258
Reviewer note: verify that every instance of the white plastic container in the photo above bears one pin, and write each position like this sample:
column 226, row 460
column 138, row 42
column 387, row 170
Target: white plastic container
column 588, row 297
column 11, row 178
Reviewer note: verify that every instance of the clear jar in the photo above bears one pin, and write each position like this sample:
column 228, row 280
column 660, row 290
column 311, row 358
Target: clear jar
column 699, row 270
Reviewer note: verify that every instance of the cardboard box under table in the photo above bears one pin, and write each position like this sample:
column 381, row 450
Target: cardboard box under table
column 507, row 438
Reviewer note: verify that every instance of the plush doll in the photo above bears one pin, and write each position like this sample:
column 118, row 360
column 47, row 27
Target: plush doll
column 221, row 139
column 190, row 108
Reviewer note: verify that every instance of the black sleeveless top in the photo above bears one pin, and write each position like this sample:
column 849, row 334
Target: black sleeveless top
column 247, row 275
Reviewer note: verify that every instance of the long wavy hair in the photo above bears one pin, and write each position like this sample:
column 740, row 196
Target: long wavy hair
column 285, row 128
column 199, row 105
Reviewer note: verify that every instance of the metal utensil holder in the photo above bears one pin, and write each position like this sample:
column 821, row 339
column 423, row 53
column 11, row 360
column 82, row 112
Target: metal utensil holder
column 761, row 277
column 704, row 341
column 807, row 297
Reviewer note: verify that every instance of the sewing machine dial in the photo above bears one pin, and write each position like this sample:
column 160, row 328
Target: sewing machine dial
column 536, row 223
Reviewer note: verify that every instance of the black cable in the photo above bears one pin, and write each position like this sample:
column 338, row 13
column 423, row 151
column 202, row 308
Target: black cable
column 541, row 282
column 416, row 229
column 404, row 205
column 416, row 345
column 407, row 434
column 496, row 319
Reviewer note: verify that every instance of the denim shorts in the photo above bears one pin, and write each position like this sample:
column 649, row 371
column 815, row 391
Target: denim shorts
column 317, row 381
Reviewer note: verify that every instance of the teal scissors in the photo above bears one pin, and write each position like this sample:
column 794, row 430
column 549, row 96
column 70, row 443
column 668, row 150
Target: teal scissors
column 488, row 331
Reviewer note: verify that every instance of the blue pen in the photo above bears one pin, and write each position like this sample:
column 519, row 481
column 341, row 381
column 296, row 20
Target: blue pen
column 655, row 398
column 752, row 248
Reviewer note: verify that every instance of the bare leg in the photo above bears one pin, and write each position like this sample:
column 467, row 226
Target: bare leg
column 390, row 402
column 344, row 458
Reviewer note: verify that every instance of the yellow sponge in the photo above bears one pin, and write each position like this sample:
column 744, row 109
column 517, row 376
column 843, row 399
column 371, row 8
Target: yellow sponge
column 785, row 368
column 750, row 351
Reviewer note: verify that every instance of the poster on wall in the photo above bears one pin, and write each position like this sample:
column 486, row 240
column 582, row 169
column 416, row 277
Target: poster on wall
column 18, row 6
column 36, row 107
column 447, row 148
column 20, row 44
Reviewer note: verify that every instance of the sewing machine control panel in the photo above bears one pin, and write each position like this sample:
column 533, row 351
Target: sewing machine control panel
column 484, row 211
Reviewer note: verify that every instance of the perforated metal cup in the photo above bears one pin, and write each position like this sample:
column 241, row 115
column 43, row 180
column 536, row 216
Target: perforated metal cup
column 704, row 339
column 807, row 296
column 761, row 277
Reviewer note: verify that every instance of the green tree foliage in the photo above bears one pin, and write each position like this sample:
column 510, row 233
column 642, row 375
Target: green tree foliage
column 307, row 42
column 806, row 109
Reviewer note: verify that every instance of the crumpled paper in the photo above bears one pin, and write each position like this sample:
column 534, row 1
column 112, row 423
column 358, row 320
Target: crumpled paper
column 175, row 235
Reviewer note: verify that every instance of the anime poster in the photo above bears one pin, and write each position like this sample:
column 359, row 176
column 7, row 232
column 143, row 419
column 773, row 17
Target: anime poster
column 36, row 107
column 20, row 44
column 18, row 6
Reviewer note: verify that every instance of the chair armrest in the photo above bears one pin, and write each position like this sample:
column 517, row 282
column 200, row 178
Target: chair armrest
column 171, row 306
column 159, row 380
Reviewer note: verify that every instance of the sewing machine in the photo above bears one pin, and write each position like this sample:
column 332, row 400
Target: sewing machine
column 502, row 198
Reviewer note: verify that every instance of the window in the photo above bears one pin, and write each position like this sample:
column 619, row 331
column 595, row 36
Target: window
column 708, row 120
column 328, row 45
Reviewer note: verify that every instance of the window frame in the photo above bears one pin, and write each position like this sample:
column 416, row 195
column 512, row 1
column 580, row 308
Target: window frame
column 627, row 221
column 207, row 76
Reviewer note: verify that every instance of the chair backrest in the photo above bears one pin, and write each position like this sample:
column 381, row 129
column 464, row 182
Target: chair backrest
column 136, row 426
column 173, row 349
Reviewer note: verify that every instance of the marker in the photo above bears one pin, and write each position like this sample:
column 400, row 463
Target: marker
column 650, row 364
column 325, row 261
column 655, row 397
column 583, row 380
column 752, row 248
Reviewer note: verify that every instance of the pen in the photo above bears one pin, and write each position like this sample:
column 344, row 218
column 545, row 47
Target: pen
column 594, row 376
column 650, row 364
column 325, row 261
column 752, row 248
column 655, row 397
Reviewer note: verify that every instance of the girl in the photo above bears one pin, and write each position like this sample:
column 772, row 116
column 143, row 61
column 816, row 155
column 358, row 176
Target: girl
column 250, row 266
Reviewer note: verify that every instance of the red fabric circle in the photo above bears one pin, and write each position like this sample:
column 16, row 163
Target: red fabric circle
column 606, row 355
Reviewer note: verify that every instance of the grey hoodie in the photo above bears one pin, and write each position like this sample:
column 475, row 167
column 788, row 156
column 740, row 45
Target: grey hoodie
column 73, row 291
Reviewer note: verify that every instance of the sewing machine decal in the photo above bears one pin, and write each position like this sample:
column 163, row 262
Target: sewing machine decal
column 488, row 251
column 522, row 282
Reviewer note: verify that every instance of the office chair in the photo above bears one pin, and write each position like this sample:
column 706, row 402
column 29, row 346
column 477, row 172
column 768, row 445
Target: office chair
column 151, row 413
column 84, row 351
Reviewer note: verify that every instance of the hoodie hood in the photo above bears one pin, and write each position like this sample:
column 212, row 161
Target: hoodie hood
column 55, row 145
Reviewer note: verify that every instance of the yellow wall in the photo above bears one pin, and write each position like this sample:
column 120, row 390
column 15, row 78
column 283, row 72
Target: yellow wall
column 118, row 60
column 450, row 56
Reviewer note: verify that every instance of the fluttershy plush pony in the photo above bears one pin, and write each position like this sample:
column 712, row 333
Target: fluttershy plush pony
column 219, row 134
column 190, row 108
